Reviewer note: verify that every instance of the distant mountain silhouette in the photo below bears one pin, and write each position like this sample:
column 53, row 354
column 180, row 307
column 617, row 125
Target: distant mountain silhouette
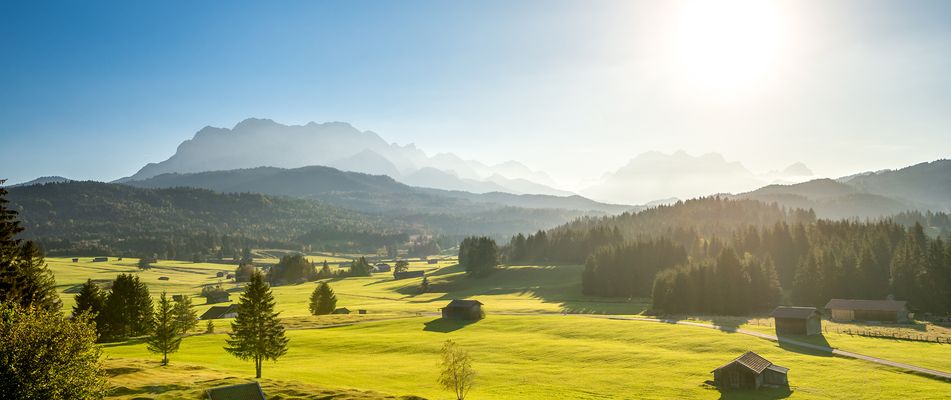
column 263, row 142
column 43, row 180
column 654, row 175
column 927, row 184
column 829, row 199
column 365, row 192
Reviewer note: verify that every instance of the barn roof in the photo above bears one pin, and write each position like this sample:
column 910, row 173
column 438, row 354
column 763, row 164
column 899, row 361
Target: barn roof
column 216, row 312
column 463, row 303
column 244, row 391
column 794, row 312
column 867, row 305
column 752, row 361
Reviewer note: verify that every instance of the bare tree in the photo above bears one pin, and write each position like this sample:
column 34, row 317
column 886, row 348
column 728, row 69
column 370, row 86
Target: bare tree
column 457, row 374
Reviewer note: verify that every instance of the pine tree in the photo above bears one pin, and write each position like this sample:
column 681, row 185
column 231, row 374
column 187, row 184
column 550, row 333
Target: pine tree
column 24, row 277
column 90, row 299
column 164, row 338
column 210, row 327
column 257, row 334
column 186, row 318
column 323, row 300
column 128, row 308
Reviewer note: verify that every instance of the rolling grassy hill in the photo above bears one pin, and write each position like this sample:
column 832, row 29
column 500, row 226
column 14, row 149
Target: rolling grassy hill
column 524, row 349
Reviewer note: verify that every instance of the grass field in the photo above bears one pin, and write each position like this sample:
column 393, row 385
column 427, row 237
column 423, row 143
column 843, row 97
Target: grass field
column 542, row 357
column 517, row 356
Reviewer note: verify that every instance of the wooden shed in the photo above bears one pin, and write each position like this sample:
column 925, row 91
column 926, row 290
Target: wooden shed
column 408, row 274
column 217, row 312
column 868, row 310
column 797, row 321
column 750, row 371
column 463, row 309
column 100, row 259
column 341, row 310
column 243, row 391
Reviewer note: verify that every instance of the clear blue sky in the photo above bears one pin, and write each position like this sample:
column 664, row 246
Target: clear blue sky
column 94, row 90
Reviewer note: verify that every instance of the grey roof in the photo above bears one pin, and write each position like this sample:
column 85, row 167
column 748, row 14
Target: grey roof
column 867, row 305
column 781, row 370
column 243, row 391
column 463, row 303
column 794, row 312
column 216, row 312
column 752, row 361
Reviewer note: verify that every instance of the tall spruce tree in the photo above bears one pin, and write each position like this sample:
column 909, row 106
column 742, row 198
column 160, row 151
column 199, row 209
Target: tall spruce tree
column 24, row 277
column 257, row 334
column 164, row 338
column 186, row 318
column 128, row 309
column 90, row 300
column 323, row 300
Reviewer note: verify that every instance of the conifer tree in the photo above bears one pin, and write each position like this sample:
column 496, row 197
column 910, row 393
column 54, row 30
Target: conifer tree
column 91, row 300
column 257, row 334
column 323, row 300
column 164, row 338
column 186, row 318
column 128, row 308
column 24, row 277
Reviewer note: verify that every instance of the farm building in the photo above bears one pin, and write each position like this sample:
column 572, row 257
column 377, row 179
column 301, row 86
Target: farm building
column 100, row 259
column 243, row 391
column 75, row 260
column 341, row 310
column 432, row 261
column 797, row 321
column 868, row 310
column 408, row 274
column 218, row 312
column 218, row 297
column 463, row 309
column 750, row 371
column 382, row 268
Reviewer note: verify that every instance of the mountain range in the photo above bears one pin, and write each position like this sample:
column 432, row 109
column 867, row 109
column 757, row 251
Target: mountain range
column 924, row 186
column 365, row 192
column 262, row 142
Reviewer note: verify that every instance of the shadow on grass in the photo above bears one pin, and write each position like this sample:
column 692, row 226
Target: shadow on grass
column 786, row 342
column 112, row 372
column 444, row 325
column 129, row 342
column 761, row 394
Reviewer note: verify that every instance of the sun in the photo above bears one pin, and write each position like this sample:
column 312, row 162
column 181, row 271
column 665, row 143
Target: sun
column 724, row 49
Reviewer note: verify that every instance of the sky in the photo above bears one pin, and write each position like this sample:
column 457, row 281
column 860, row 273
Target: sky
column 95, row 90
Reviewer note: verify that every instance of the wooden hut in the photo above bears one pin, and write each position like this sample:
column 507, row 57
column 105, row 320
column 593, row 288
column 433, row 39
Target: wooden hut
column 218, row 312
column 868, row 310
column 243, row 391
column 797, row 321
column 750, row 371
column 75, row 260
column 341, row 310
column 100, row 259
column 463, row 309
column 408, row 274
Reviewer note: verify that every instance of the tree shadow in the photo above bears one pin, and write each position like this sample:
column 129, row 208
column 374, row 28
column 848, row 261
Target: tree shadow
column 444, row 325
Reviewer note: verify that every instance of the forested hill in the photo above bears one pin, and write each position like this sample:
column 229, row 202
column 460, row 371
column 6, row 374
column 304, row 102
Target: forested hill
column 364, row 192
column 100, row 218
column 93, row 216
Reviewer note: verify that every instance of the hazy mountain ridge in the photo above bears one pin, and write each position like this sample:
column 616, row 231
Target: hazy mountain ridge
column 924, row 186
column 364, row 192
column 263, row 142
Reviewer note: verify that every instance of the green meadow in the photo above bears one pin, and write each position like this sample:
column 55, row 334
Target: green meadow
column 524, row 349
